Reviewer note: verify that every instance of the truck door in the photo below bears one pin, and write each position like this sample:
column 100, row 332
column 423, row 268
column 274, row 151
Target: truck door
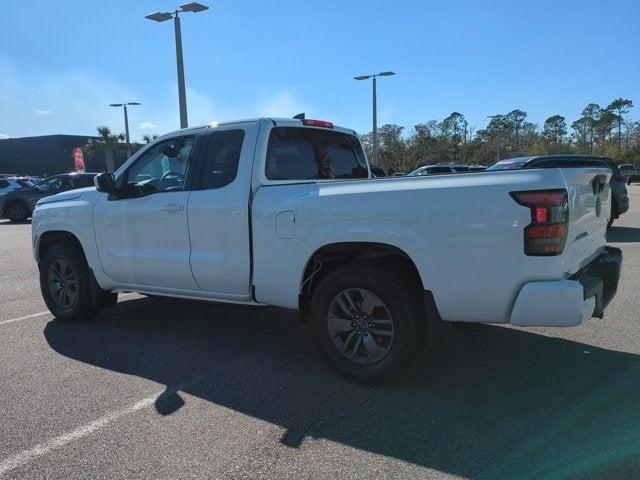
column 218, row 210
column 142, row 235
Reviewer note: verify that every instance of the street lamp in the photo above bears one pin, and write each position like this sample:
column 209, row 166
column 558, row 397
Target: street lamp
column 126, row 119
column 193, row 7
column 375, row 110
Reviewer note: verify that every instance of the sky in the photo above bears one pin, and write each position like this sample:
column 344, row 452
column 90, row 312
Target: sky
column 62, row 63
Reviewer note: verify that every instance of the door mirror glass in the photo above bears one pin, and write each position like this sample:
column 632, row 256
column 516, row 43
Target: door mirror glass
column 105, row 182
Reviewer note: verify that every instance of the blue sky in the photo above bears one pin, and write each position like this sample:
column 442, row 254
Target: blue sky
column 61, row 66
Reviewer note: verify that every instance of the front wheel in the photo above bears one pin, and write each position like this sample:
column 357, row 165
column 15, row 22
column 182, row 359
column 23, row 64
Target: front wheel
column 365, row 321
column 17, row 212
column 65, row 284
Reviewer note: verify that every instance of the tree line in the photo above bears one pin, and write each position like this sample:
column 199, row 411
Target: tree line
column 599, row 131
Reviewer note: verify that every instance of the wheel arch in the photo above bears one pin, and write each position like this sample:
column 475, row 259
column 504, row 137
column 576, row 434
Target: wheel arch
column 433, row 330
column 343, row 252
column 326, row 258
column 54, row 237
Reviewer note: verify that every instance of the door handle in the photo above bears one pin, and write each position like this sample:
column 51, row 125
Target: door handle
column 173, row 207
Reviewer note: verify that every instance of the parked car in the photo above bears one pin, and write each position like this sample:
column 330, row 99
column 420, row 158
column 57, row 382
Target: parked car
column 276, row 212
column 477, row 168
column 431, row 170
column 9, row 184
column 631, row 171
column 18, row 205
column 620, row 198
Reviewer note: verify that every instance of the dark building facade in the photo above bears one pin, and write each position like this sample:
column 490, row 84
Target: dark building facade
column 51, row 154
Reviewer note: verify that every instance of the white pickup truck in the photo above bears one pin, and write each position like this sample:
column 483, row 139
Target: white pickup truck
column 284, row 212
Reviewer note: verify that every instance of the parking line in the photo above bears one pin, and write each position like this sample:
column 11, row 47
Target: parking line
column 26, row 317
column 39, row 314
column 29, row 454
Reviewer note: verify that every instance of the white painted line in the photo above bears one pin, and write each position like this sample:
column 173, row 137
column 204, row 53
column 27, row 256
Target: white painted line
column 39, row 314
column 12, row 275
column 30, row 454
column 24, row 318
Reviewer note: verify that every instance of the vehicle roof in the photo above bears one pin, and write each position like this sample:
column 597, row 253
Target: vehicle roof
column 276, row 121
column 560, row 156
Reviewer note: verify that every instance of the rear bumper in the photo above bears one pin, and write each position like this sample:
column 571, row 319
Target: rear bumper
column 569, row 302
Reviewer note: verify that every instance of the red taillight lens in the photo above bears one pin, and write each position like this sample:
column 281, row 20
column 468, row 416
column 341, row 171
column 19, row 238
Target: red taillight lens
column 547, row 232
column 317, row 123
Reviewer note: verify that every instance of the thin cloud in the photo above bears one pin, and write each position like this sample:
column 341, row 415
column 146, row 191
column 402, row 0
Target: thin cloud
column 4, row 136
column 42, row 112
column 282, row 104
column 147, row 126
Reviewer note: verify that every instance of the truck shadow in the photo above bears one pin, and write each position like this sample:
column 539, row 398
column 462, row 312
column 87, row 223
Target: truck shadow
column 495, row 403
column 623, row 234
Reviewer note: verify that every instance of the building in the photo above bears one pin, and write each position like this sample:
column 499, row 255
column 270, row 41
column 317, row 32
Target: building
column 51, row 154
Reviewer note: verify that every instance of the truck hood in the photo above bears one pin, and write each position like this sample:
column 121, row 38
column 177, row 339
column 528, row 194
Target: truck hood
column 63, row 196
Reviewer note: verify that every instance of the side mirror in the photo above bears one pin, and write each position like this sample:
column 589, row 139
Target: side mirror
column 105, row 182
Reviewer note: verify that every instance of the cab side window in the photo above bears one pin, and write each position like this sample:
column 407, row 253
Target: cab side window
column 221, row 158
column 162, row 168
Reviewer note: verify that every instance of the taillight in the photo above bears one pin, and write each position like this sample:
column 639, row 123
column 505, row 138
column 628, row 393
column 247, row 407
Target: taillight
column 547, row 232
column 317, row 123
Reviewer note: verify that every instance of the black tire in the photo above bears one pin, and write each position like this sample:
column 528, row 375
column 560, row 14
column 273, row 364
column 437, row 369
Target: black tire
column 16, row 211
column 401, row 298
column 76, row 305
column 613, row 215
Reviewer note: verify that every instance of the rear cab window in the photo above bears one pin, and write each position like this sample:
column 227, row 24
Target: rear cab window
column 303, row 153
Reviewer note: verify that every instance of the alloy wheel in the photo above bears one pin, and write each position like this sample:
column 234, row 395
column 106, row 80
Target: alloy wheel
column 63, row 283
column 360, row 326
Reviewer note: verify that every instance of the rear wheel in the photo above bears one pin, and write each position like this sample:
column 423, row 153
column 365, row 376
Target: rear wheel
column 612, row 216
column 365, row 321
column 16, row 212
column 65, row 284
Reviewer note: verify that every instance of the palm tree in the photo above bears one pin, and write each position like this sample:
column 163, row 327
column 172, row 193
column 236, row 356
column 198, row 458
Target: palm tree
column 106, row 144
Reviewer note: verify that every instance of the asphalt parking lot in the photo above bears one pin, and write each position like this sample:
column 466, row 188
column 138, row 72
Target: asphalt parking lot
column 157, row 388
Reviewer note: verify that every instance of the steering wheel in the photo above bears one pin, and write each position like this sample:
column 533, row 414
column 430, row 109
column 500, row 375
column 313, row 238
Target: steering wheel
column 175, row 176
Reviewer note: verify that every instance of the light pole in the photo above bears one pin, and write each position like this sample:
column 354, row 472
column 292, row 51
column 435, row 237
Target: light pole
column 375, row 110
column 193, row 7
column 126, row 120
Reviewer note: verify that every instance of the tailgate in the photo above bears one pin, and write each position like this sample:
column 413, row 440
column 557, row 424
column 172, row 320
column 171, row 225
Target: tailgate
column 589, row 196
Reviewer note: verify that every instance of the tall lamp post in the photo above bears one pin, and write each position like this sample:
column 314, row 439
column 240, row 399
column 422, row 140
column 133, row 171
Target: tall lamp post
column 126, row 121
column 375, row 110
column 193, row 7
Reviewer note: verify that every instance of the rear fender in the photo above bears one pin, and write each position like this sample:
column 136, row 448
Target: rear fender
column 280, row 286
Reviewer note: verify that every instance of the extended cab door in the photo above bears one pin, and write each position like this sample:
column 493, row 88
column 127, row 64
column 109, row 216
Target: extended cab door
column 142, row 234
column 218, row 210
